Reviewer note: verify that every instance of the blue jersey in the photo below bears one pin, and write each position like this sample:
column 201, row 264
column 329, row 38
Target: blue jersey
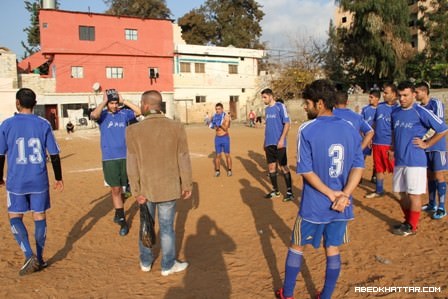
column 217, row 120
column 276, row 117
column 368, row 114
column 113, row 133
column 330, row 147
column 382, row 124
column 25, row 139
column 408, row 124
column 437, row 107
column 354, row 119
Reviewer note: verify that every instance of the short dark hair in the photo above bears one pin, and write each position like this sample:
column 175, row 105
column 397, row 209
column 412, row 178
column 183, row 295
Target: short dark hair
column 219, row 105
column 267, row 91
column 376, row 93
column 26, row 97
column 341, row 97
column 423, row 85
column 392, row 86
column 321, row 89
column 406, row 84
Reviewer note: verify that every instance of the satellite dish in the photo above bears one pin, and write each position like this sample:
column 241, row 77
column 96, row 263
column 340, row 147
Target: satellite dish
column 96, row 86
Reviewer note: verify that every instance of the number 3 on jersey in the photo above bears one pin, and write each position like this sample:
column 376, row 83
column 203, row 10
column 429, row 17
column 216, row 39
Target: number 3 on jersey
column 34, row 144
column 336, row 153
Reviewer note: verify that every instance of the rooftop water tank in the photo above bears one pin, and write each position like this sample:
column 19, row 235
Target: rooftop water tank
column 49, row 4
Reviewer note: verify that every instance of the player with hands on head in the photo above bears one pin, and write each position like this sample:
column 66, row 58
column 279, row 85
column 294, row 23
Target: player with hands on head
column 113, row 122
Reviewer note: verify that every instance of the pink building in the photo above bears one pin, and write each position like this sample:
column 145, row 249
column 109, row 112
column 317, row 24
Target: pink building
column 129, row 54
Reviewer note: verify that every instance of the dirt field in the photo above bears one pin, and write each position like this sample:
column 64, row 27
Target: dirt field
column 234, row 239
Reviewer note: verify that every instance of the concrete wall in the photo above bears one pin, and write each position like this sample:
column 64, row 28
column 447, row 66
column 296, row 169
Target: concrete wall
column 8, row 69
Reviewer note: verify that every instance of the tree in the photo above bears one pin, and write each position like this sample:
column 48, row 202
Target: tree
column 378, row 41
column 302, row 67
column 195, row 28
column 224, row 23
column 432, row 63
column 156, row 9
column 33, row 31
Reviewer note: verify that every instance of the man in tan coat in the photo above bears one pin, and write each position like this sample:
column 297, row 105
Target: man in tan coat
column 159, row 171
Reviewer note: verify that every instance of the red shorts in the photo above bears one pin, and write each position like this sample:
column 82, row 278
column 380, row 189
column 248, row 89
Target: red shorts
column 381, row 159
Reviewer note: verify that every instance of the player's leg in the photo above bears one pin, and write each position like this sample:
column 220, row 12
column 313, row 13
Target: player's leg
column 218, row 150
column 431, row 206
column 379, row 161
column 40, row 203
column 283, row 163
column 399, row 186
column 114, row 176
column 271, row 157
column 335, row 234
column 226, row 149
column 299, row 238
column 17, row 206
column 440, row 166
column 441, row 190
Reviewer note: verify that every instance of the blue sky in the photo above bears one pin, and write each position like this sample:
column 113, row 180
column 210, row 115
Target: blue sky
column 285, row 22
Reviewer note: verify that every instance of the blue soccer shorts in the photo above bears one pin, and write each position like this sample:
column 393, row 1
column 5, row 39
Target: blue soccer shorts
column 222, row 144
column 437, row 161
column 22, row 203
column 334, row 233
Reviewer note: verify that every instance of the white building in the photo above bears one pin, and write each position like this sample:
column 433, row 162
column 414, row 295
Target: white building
column 206, row 75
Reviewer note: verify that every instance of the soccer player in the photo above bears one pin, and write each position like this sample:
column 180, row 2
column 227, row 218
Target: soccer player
column 436, row 156
column 25, row 139
column 368, row 114
column 276, row 130
column 113, row 122
column 382, row 139
column 221, row 123
column 356, row 120
column 410, row 122
column 331, row 164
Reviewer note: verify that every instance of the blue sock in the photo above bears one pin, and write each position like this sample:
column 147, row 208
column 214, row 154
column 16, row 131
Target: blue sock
column 432, row 188
column 331, row 275
column 40, row 234
column 20, row 233
column 441, row 189
column 292, row 269
column 379, row 186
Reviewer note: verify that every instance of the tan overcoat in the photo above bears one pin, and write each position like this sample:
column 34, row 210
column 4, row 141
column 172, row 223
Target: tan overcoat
column 158, row 161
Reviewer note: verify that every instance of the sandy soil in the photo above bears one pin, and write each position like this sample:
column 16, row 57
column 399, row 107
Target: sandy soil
column 234, row 239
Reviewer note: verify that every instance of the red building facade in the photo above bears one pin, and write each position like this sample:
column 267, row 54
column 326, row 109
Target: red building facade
column 126, row 53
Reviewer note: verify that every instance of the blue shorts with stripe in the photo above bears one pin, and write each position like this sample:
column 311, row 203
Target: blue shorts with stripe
column 437, row 161
column 222, row 144
column 22, row 203
column 333, row 233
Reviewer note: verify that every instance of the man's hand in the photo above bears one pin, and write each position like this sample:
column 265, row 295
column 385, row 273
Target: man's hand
column 341, row 202
column 186, row 194
column 140, row 199
column 2, row 182
column 59, row 186
column 281, row 143
column 420, row 143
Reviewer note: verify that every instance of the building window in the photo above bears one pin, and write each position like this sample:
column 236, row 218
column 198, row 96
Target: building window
column 86, row 33
column 185, row 67
column 344, row 19
column 200, row 99
column 130, row 34
column 233, row 69
column 114, row 72
column 199, row 67
column 234, row 98
column 45, row 25
column 77, row 72
column 153, row 72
